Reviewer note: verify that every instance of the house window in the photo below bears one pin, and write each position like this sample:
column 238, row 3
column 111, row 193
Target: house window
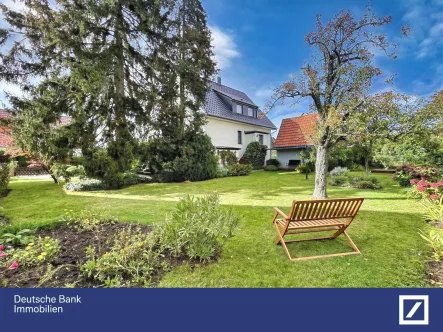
column 239, row 109
column 260, row 139
column 250, row 112
column 239, row 137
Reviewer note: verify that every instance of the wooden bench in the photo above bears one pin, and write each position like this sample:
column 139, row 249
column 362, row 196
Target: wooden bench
column 317, row 216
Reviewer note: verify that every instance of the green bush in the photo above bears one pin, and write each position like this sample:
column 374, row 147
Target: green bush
column 255, row 154
column 198, row 227
column 273, row 162
column 301, row 169
column 355, row 181
column 131, row 262
column 36, row 253
column 76, row 171
column 271, row 168
column 239, row 170
column 228, row 158
column 191, row 158
column 86, row 185
column 4, row 178
column 339, row 180
column 20, row 238
column 435, row 241
column 222, row 172
column 102, row 166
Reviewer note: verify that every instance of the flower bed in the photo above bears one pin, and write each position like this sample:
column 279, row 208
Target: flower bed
column 404, row 174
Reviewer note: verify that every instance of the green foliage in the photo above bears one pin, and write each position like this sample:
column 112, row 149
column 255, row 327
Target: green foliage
column 131, row 262
column 4, row 178
column 435, row 241
column 301, row 168
column 191, row 158
column 86, row 220
column 255, row 154
column 85, row 185
column 339, row 171
column 433, row 209
column 271, row 168
column 76, row 171
column 20, row 238
column 273, row 162
column 228, row 158
column 240, row 169
column 355, row 181
column 36, row 253
column 198, row 227
column 222, row 172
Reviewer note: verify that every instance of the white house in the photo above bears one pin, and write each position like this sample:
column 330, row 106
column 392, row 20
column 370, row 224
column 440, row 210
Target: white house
column 234, row 120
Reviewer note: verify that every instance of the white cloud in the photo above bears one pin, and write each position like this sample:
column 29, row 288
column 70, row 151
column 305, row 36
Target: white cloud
column 426, row 38
column 14, row 4
column 225, row 48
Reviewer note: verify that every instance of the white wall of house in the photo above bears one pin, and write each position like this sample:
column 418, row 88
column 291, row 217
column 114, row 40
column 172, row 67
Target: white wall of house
column 225, row 133
column 283, row 156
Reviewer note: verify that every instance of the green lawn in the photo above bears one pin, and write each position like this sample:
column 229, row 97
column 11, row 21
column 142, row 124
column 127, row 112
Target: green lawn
column 386, row 230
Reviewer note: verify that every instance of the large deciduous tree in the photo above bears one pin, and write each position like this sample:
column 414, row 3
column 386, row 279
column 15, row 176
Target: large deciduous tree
column 338, row 77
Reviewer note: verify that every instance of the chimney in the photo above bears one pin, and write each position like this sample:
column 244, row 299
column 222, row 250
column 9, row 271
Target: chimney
column 219, row 80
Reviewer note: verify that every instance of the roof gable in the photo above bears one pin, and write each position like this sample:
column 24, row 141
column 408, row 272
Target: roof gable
column 216, row 105
column 297, row 132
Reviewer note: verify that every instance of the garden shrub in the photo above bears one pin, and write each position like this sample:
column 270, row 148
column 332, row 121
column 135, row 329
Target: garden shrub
column 239, row 170
column 76, row 171
column 222, row 172
column 4, row 178
column 271, row 168
column 301, row 169
column 198, row 227
column 339, row 171
column 355, row 181
column 404, row 174
column 190, row 158
column 85, row 185
column 357, row 168
column 255, row 154
column 273, row 162
column 36, row 253
column 433, row 209
column 131, row 262
column 228, row 158
column 86, row 220
column 339, row 180
column 435, row 241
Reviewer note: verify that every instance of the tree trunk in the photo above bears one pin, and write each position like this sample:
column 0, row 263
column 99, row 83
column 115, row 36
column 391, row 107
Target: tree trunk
column 321, row 172
column 367, row 164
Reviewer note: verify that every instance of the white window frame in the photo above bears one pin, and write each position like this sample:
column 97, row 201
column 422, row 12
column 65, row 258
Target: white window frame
column 237, row 109
column 250, row 112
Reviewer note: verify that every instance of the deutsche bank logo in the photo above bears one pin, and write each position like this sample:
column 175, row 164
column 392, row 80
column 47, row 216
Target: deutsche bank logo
column 414, row 309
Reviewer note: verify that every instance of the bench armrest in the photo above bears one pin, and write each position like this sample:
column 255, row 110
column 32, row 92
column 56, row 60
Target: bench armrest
column 280, row 212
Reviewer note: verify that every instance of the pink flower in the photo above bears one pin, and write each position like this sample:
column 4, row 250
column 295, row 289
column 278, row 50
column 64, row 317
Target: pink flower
column 13, row 266
column 437, row 184
column 434, row 197
column 413, row 181
column 1, row 247
column 3, row 254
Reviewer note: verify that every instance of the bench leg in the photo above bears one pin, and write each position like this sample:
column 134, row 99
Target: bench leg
column 279, row 239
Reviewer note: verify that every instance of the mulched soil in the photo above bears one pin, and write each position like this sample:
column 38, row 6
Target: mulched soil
column 65, row 269
column 435, row 273
column 437, row 224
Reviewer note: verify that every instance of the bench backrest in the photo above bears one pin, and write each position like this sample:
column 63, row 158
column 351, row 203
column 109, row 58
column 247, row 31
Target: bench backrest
column 325, row 209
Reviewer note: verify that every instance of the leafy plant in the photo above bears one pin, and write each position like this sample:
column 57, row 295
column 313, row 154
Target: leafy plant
column 255, row 154
column 435, row 241
column 228, row 158
column 36, row 253
column 433, row 209
column 271, row 168
column 21, row 238
column 301, row 169
column 240, row 169
column 86, row 220
column 4, row 178
column 198, row 227
column 132, row 261
column 222, row 172
column 339, row 171
column 355, row 181
column 339, row 180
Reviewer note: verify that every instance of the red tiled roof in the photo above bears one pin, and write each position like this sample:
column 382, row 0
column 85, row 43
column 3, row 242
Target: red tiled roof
column 6, row 140
column 296, row 132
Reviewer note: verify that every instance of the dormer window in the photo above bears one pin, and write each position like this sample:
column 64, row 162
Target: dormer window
column 238, row 109
column 250, row 112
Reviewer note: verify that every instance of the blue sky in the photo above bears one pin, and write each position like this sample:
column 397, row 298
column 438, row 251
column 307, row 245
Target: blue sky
column 260, row 43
